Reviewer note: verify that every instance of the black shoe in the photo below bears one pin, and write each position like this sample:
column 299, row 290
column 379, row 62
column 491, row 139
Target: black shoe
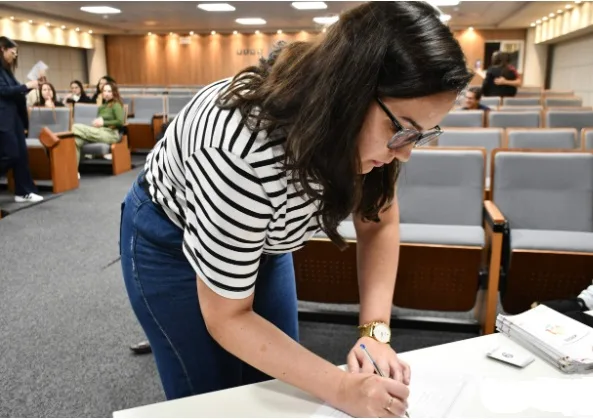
column 141, row 348
column 564, row 306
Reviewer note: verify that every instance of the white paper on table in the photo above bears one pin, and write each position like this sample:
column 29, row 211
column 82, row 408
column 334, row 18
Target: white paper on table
column 430, row 396
column 38, row 69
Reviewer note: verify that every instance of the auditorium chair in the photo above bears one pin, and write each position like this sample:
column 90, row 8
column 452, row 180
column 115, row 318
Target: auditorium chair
column 560, row 102
column 490, row 101
column 514, row 119
column 121, row 159
column 521, row 101
column 487, row 138
column 180, row 92
column 587, row 139
column 543, row 138
column 521, row 108
column 450, row 240
column 51, row 148
column 555, row 118
column 549, row 93
column 463, row 119
column 148, row 118
column 546, row 198
column 175, row 104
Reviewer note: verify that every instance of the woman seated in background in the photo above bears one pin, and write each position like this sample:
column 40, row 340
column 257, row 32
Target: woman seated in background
column 500, row 77
column 47, row 96
column 98, row 96
column 104, row 129
column 77, row 94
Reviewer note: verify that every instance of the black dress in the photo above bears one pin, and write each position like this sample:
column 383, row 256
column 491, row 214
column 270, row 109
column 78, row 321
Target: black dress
column 489, row 88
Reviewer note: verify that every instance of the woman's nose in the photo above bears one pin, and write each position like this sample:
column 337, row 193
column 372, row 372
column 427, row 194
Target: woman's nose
column 403, row 153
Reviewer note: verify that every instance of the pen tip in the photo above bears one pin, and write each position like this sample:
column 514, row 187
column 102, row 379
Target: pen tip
column 362, row 346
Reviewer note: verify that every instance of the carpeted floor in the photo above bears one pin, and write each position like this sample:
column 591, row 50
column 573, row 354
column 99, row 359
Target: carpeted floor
column 65, row 322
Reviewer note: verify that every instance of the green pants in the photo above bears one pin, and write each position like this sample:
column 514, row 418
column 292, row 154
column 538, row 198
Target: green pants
column 86, row 134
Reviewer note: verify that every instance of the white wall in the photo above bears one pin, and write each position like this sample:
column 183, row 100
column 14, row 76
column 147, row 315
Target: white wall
column 65, row 63
column 97, row 60
column 534, row 73
column 572, row 68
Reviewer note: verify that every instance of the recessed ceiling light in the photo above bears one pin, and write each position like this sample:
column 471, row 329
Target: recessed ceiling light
column 551, row 15
column 30, row 21
column 100, row 10
column 309, row 5
column 445, row 18
column 149, row 33
column 216, row 7
column 471, row 28
column 251, row 21
column 171, row 33
column 324, row 30
column 91, row 31
column 326, row 20
column 578, row 2
column 213, row 33
column 191, row 32
column 538, row 21
column 63, row 27
column 568, row 6
column 77, row 29
column 11, row 17
column 257, row 32
column 47, row 24
column 544, row 18
column 559, row 11
column 235, row 32
column 279, row 31
column 532, row 24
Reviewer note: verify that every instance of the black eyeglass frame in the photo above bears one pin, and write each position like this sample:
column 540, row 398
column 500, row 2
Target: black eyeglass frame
column 404, row 136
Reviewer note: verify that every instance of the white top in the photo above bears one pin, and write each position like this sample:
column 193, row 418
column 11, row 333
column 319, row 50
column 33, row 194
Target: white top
column 496, row 389
column 225, row 187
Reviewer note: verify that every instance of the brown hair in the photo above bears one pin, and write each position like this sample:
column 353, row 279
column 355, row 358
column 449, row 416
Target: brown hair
column 319, row 92
column 116, row 95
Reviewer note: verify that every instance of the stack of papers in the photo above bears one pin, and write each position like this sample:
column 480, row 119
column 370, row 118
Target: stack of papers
column 556, row 338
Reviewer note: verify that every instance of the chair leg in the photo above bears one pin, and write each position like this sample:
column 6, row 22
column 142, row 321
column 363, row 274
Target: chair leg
column 490, row 296
column 121, row 157
column 64, row 170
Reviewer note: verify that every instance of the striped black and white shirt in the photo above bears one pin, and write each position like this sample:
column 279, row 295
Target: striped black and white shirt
column 225, row 187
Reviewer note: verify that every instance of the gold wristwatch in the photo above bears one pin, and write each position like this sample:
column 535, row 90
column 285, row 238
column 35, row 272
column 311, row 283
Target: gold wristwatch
column 377, row 330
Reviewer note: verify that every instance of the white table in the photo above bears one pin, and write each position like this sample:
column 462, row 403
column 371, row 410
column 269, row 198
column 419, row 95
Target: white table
column 276, row 399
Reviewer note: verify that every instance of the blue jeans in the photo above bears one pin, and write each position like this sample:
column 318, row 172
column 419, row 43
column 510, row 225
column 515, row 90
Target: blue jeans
column 161, row 285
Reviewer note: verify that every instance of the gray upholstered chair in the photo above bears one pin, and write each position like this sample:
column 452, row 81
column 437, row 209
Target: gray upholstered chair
column 543, row 138
column 51, row 147
column 150, row 113
column 587, row 139
column 521, row 108
column 461, row 118
column 521, row 101
column 549, row 93
column 568, row 119
column 554, row 101
column 547, row 200
column 446, row 240
column 176, row 103
column 121, row 158
column 513, row 119
column 488, row 138
column 490, row 101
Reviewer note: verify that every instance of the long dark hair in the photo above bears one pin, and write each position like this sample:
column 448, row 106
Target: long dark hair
column 319, row 93
column 41, row 101
column 116, row 95
column 83, row 95
column 7, row 43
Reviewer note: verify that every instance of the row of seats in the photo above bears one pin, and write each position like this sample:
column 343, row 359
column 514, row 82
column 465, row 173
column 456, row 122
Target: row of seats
column 551, row 118
column 533, row 240
column 548, row 102
column 538, row 91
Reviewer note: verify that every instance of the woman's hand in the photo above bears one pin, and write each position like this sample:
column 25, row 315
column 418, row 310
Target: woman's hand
column 98, row 122
column 383, row 355
column 32, row 84
column 500, row 81
column 370, row 396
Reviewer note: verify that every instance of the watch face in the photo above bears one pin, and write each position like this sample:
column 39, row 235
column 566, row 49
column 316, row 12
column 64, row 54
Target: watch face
column 382, row 333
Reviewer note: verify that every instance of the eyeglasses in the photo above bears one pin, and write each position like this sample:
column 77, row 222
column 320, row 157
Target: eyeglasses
column 404, row 136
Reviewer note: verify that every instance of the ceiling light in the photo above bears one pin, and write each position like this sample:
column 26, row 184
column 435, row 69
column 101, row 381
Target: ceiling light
column 257, row 32
column 91, row 31
column 235, row 32
column 149, row 33
column 213, row 33
column 216, row 7
column 471, row 28
column 324, row 30
column 30, row 21
column 532, row 24
column 577, row 2
column 171, row 33
column 551, row 15
column 559, row 11
column 538, row 21
column 568, row 6
column 309, row 5
column 47, row 24
column 445, row 18
column 100, row 10
column 279, row 31
column 439, row 3
column 251, row 21
column 326, row 20
column 77, row 29
column 191, row 33
column 11, row 17
column 544, row 18
column 63, row 27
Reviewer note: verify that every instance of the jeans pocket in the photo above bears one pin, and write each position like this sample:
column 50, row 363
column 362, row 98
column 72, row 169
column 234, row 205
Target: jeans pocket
column 121, row 219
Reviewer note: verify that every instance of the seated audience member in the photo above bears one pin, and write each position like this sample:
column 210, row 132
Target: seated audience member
column 14, row 120
column 47, row 96
column 104, row 129
column 98, row 96
column 471, row 100
column 500, row 69
column 574, row 308
column 77, row 94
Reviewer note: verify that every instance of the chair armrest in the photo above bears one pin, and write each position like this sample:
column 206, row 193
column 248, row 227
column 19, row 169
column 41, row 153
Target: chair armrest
column 494, row 217
column 64, row 134
column 51, row 139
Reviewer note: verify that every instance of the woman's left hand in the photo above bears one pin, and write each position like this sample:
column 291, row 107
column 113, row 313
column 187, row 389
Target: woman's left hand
column 499, row 81
column 98, row 122
column 383, row 355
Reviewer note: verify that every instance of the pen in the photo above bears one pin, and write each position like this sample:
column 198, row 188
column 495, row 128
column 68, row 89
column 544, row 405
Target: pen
column 377, row 369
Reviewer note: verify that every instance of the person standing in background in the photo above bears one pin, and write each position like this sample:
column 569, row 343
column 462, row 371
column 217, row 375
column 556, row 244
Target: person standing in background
column 14, row 121
column 493, row 84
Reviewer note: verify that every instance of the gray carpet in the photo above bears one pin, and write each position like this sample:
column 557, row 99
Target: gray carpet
column 65, row 320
